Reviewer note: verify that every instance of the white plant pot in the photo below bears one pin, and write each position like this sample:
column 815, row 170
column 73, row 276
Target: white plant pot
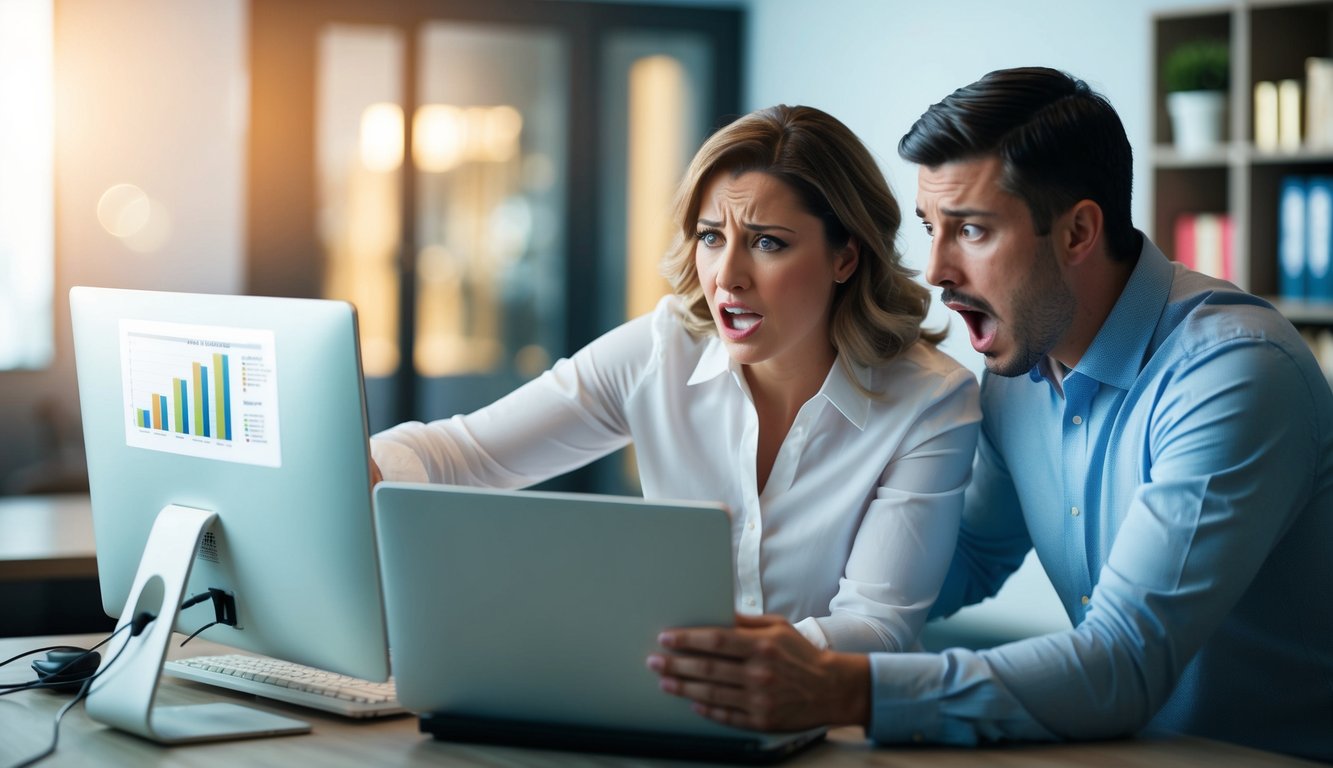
column 1197, row 118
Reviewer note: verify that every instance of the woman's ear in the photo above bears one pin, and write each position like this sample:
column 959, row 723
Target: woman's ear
column 846, row 260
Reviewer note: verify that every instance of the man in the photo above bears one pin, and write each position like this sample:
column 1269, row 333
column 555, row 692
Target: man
column 1164, row 440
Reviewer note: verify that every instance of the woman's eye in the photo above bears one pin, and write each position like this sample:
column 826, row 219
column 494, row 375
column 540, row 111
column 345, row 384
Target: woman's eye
column 709, row 237
column 970, row 231
column 768, row 243
column 930, row 231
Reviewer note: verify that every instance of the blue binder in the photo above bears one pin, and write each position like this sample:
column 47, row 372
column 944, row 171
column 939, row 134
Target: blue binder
column 1319, row 238
column 1291, row 238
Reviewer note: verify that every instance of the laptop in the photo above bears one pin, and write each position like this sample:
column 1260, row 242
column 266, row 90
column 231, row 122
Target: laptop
column 524, row 618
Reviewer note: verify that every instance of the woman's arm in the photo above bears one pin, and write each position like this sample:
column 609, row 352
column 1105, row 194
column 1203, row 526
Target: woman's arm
column 567, row 417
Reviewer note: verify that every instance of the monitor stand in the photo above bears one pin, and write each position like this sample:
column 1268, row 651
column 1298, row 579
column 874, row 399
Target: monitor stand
column 122, row 695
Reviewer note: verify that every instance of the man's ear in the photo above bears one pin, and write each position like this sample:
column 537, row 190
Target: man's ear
column 1080, row 231
column 846, row 260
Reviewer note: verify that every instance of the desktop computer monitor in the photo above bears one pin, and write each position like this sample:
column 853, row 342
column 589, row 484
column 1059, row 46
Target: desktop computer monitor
column 227, row 451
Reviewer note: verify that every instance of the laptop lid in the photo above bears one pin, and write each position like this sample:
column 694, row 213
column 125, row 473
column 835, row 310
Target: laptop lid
column 525, row 612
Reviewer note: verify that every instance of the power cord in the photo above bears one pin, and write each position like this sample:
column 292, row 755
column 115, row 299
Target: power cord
column 224, row 609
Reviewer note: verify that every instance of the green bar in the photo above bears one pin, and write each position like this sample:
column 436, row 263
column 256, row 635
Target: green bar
column 220, row 423
column 198, row 425
column 178, row 403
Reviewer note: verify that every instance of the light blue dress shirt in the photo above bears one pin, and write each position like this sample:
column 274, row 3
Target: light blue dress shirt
column 1179, row 494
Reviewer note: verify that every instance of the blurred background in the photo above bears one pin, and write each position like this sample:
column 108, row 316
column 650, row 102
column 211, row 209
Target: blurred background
column 488, row 182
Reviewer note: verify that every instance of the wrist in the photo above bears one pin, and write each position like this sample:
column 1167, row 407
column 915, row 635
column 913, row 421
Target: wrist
column 848, row 675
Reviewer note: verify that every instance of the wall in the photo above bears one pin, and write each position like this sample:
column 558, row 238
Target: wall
column 152, row 93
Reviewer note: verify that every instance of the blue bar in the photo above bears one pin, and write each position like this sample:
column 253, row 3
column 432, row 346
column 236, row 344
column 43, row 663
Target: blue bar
column 162, row 406
column 203, row 374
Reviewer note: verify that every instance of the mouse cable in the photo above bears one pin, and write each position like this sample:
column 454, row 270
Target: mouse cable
column 16, row 687
column 136, row 626
column 83, row 692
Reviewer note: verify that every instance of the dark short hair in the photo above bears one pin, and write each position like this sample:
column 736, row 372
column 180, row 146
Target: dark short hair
column 1058, row 140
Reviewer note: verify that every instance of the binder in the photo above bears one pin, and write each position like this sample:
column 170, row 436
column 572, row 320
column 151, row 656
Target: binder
column 1228, row 249
column 1319, row 238
column 1291, row 238
column 1185, row 252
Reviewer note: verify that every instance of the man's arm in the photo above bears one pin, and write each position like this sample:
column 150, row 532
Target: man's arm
column 1224, row 483
column 993, row 537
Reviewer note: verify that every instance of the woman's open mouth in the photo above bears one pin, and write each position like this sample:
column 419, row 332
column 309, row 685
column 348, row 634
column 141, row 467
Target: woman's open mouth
column 738, row 321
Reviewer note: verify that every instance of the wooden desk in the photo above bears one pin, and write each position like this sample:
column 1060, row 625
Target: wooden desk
column 46, row 537
column 25, row 729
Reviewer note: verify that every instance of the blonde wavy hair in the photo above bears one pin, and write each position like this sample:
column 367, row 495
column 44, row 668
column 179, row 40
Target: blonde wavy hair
column 878, row 312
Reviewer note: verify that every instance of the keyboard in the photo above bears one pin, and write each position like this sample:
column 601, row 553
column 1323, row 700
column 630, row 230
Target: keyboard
column 292, row 683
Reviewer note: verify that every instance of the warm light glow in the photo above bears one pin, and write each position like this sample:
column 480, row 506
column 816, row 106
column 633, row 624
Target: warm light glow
column 382, row 137
column 657, row 102
column 155, row 232
column 27, row 218
column 443, row 136
column 359, row 154
column 439, row 137
column 124, row 210
column 496, row 130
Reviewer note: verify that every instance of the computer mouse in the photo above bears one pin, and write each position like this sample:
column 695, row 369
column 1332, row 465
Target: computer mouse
column 65, row 670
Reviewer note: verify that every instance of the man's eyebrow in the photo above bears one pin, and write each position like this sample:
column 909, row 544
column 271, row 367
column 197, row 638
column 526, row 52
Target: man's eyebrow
column 961, row 213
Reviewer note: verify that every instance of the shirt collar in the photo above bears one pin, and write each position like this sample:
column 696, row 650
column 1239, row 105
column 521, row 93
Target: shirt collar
column 1116, row 354
column 839, row 389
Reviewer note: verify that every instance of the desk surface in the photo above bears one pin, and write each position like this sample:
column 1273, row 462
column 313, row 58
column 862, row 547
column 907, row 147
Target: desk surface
column 46, row 537
column 25, row 729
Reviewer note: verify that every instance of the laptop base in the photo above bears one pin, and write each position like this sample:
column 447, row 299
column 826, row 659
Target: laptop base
column 580, row 738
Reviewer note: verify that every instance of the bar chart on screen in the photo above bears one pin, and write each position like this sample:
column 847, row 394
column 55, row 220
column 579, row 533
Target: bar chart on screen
column 205, row 391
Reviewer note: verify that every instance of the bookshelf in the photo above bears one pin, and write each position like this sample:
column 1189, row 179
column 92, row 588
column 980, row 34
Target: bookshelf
column 1270, row 40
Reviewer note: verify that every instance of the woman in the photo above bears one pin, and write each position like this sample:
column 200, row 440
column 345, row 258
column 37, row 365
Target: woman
column 788, row 376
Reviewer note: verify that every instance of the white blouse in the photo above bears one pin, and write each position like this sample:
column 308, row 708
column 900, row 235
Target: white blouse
column 854, row 531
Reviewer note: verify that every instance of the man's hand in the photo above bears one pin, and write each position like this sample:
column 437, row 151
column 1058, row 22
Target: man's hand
column 764, row 675
column 375, row 475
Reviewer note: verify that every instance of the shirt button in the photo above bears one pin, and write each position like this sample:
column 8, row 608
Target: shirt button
column 749, row 601
column 1073, row 511
column 750, row 525
column 1084, row 599
column 1078, row 420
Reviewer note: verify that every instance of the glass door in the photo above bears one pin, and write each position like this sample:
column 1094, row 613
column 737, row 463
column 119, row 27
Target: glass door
column 488, row 183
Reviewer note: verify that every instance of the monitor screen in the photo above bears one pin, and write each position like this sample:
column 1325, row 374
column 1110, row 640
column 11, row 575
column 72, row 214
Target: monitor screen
column 251, row 409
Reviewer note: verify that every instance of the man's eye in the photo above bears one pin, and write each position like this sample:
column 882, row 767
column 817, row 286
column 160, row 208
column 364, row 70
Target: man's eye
column 970, row 231
column 930, row 231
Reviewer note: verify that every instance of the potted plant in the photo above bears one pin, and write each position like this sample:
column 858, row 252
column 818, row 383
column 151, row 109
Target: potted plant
column 1196, row 75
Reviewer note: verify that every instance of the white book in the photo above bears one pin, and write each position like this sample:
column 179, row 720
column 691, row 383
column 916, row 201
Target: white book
column 1265, row 116
column 1289, row 115
column 1319, row 102
column 1208, row 244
